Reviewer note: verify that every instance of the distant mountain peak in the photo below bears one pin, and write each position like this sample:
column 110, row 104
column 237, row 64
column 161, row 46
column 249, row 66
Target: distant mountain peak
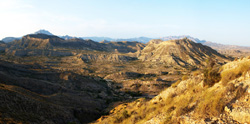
column 10, row 39
column 181, row 37
column 42, row 31
column 67, row 37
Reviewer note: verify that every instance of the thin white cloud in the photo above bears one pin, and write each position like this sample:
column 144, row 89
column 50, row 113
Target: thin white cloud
column 18, row 23
column 14, row 4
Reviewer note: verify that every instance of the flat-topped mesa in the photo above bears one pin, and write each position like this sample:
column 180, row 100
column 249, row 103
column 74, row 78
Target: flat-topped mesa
column 35, row 41
column 36, row 45
column 43, row 41
column 183, row 52
column 41, row 36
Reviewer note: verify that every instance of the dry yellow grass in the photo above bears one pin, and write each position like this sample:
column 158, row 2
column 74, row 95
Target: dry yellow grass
column 176, row 83
column 233, row 73
column 190, row 96
column 212, row 104
column 195, row 73
column 185, row 77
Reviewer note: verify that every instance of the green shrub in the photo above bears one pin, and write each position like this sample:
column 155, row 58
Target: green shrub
column 211, row 73
column 121, row 116
column 211, row 76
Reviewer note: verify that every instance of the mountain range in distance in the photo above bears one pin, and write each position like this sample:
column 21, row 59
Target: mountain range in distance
column 232, row 50
column 108, row 39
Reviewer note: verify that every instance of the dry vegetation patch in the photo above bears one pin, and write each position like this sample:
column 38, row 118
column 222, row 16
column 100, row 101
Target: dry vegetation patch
column 237, row 70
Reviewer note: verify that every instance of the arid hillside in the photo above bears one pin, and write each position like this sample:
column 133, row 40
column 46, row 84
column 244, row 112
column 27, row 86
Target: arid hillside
column 217, row 94
column 46, row 79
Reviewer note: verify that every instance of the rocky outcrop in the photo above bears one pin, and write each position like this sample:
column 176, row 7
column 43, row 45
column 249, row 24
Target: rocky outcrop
column 240, row 110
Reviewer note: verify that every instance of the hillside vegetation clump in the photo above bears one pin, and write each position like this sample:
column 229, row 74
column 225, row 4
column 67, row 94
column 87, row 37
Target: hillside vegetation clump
column 211, row 73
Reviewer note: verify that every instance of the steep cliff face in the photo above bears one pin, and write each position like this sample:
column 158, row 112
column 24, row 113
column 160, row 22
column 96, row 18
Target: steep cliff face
column 182, row 52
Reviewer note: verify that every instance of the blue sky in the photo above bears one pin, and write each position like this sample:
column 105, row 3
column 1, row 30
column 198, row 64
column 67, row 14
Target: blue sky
column 221, row 21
